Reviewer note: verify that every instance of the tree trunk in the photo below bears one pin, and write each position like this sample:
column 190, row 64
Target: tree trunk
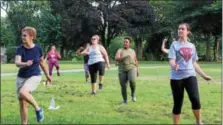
column 208, row 48
column 138, row 45
column 216, row 48
column 62, row 51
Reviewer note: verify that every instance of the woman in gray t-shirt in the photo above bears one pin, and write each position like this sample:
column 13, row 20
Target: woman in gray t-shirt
column 183, row 61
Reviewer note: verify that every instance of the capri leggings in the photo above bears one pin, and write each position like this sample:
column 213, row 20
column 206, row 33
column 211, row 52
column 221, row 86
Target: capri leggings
column 94, row 68
column 191, row 86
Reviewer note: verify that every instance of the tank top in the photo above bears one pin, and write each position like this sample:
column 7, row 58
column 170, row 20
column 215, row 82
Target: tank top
column 128, row 63
column 95, row 55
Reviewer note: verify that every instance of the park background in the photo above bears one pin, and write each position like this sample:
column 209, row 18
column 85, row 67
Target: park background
column 70, row 23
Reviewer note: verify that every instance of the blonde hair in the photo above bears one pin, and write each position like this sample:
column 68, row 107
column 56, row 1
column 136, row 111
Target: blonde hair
column 97, row 36
column 31, row 31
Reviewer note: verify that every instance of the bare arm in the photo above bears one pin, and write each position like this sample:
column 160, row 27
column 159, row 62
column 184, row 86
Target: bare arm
column 44, row 68
column 137, row 64
column 173, row 64
column 78, row 52
column 163, row 48
column 85, row 52
column 105, row 55
column 201, row 72
column 21, row 64
column 59, row 56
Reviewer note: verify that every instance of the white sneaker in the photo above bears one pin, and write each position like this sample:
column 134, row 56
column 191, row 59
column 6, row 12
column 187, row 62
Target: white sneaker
column 134, row 99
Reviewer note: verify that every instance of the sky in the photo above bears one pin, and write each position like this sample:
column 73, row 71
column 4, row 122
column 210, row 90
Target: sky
column 3, row 14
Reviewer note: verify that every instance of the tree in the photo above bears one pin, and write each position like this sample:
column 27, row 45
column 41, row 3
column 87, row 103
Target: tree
column 110, row 18
column 205, row 17
column 21, row 14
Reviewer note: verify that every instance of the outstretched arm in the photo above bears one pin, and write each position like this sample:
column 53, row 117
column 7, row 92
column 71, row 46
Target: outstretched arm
column 201, row 72
column 79, row 50
column 45, row 69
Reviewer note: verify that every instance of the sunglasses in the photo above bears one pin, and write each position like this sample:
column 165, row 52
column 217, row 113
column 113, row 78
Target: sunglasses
column 24, row 35
column 93, row 39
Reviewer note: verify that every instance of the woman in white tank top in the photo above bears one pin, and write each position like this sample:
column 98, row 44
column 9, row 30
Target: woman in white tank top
column 97, row 58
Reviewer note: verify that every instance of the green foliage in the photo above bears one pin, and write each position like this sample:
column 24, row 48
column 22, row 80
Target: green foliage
column 10, row 52
column 7, row 36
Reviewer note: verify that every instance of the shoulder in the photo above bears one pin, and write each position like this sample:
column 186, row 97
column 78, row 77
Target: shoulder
column 37, row 46
column 119, row 50
column 191, row 44
column 20, row 47
column 174, row 43
column 132, row 50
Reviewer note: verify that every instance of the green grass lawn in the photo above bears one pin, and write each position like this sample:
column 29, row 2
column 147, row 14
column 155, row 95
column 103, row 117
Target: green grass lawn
column 77, row 106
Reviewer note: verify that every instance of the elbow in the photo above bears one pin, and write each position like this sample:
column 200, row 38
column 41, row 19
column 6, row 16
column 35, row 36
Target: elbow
column 117, row 59
column 17, row 65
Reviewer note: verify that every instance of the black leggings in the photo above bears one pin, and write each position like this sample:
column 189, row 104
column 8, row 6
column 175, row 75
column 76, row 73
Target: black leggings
column 94, row 68
column 191, row 86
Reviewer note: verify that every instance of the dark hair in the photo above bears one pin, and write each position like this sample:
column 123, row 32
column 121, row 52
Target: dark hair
column 128, row 38
column 188, row 28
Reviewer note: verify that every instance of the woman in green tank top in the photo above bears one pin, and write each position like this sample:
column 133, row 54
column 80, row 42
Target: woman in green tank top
column 128, row 69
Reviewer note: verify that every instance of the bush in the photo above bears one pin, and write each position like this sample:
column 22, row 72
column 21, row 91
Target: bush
column 10, row 52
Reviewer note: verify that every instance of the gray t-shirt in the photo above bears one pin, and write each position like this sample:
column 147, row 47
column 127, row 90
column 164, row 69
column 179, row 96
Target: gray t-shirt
column 185, row 55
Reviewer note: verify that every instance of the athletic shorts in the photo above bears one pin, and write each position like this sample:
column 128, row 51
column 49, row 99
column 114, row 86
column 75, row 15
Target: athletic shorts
column 30, row 83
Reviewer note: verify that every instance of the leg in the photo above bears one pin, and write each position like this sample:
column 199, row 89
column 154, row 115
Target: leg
column 86, row 70
column 132, row 78
column 93, row 75
column 50, row 65
column 25, row 92
column 24, row 88
column 101, row 68
column 178, row 95
column 26, row 95
column 191, row 87
column 57, row 67
column 23, row 111
column 123, row 83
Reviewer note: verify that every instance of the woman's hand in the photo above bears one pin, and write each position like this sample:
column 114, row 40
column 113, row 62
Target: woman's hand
column 108, row 66
column 207, row 78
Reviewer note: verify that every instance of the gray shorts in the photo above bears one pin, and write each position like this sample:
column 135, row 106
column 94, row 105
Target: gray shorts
column 28, row 83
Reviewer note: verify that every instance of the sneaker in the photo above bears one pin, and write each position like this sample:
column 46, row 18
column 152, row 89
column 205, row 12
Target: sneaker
column 134, row 99
column 197, row 123
column 93, row 93
column 58, row 73
column 124, row 102
column 100, row 86
column 39, row 115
